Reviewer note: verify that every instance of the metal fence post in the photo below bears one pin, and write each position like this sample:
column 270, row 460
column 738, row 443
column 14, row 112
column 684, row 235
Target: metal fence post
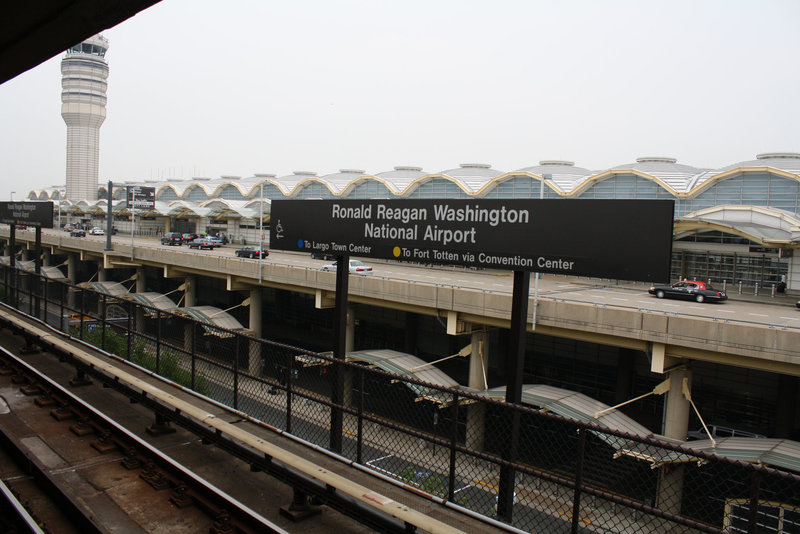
column 236, row 375
column 289, row 394
column 576, row 499
column 61, row 308
column 193, row 328
column 360, row 432
column 752, row 523
column 82, row 312
column 103, row 323
column 45, row 296
column 130, row 331
column 451, row 482
column 158, row 341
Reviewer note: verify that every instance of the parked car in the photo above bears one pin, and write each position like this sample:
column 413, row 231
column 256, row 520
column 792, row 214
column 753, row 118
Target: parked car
column 218, row 241
column 97, row 231
column 201, row 243
column 68, row 227
column 172, row 238
column 689, row 289
column 252, row 252
column 77, row 232
column 798, row 304
column 356, row 267
column 722, row 432
column 188, row 238
column 327, row 256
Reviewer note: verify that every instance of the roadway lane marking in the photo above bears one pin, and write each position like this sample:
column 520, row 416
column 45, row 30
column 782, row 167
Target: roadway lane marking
column 617, row 298
column 790, row 318
column 758, row 314
column 725, row 311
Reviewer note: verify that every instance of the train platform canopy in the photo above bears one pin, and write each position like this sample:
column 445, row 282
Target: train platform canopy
column 399, row 363
column 775, row 452
column 573, row 405
column 49, row 272
column 153, row 300
column 53, row 273
column 210, row 317
column 114, row 289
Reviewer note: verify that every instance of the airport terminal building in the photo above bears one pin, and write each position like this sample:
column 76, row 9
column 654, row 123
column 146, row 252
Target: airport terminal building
column 737, row 226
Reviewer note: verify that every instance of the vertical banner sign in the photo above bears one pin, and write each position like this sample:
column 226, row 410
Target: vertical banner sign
column 39, row 214
column 141, row 198
column 621, row 239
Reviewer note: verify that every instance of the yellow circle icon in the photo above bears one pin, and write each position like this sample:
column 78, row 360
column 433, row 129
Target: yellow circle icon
column 396, row 251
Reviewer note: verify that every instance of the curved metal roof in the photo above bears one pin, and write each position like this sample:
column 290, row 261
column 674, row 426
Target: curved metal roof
column 211, row 317
column 766, row 225
column 154, row 300
column 408, row 365
column 115, row 289
column 474, row 179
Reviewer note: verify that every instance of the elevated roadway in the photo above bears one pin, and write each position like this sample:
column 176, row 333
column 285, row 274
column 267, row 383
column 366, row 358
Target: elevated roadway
column 752, row 333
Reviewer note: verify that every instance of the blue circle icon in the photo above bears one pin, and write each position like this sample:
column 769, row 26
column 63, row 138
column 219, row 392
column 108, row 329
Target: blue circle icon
column 299, row 243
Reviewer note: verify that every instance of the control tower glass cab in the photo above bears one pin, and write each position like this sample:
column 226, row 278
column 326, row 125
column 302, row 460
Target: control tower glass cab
column 84, row 72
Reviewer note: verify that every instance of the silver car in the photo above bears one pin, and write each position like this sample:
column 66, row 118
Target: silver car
column 356, row 267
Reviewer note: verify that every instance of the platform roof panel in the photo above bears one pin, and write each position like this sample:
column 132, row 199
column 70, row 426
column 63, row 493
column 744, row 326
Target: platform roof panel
column 779, row 453
column 212, row 316
column 115, row 289
column 575, row 406
column 408, row 365
column 154, row 300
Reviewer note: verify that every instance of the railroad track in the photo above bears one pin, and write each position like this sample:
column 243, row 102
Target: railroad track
column 66, row 467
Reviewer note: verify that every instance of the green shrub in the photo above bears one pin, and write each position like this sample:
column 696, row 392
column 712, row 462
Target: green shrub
column 168, row 366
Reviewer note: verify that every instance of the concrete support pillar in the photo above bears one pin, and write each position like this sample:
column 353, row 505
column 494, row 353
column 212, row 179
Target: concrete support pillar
column 102, row 273
column 410, row 337
column 46, row 257
column 26, row 254
column 254, row 364
column 626, row 370
column 478, row 367
column 167, row 224
column 676, row 426
column 190, row 293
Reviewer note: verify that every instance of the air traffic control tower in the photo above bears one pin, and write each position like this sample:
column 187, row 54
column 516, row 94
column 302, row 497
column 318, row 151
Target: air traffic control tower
column 84, row 72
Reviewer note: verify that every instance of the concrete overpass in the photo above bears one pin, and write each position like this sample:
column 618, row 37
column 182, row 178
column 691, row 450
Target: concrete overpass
column 765, row 338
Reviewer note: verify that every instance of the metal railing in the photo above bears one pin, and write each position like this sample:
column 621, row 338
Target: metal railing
column 570, row 476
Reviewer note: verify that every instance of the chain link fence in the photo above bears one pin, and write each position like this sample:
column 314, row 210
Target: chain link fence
column 534, row 470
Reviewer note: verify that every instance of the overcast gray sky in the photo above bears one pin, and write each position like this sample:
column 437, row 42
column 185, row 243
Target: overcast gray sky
column 209, row 88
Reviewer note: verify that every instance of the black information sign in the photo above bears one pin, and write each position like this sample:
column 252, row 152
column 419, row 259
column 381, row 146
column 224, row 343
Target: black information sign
column 622, row 239
column 27, row 213
column 142, row 198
